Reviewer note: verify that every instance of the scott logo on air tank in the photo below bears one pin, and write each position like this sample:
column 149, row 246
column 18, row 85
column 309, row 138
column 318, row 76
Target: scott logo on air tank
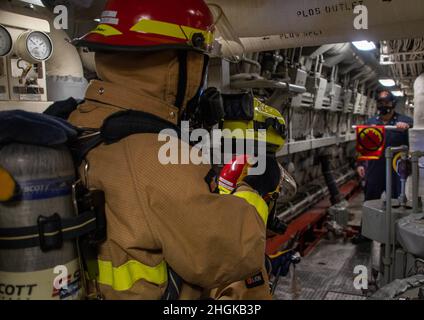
column 44, row 189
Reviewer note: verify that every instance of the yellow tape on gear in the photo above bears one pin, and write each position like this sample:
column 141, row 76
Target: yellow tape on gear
column 170, row 30
column 395, row 160
column 122, row 278
column 106, row 30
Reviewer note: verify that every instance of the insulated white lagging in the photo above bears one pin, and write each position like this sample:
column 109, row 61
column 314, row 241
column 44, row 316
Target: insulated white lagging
column 275, row 24
column 416, row 135
column 65, row 75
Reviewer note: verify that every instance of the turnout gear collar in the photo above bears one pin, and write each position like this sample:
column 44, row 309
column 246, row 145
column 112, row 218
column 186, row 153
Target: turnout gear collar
column 155, row 76
column 100, row 92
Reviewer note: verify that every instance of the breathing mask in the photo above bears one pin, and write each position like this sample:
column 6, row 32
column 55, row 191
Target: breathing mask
column 384, row 109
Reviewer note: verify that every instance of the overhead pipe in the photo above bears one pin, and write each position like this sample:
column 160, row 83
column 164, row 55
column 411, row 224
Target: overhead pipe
column 268, row 17
column 356, row 65
column 298, row 208
column 274, row 17
column 277, row 24
column 283, row 40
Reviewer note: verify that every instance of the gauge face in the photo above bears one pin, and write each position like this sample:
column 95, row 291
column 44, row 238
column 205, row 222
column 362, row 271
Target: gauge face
column 39, row 45
column 5, row 41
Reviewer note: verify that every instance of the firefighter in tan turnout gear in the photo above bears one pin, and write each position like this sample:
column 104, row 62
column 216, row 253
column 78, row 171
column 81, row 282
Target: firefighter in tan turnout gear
column 150, row 57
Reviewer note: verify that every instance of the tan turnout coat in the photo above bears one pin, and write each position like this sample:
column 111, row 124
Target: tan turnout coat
column 156, row 212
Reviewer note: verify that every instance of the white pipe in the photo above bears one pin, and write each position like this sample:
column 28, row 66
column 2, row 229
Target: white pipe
column 316, row 38
column 277, row 24
column 419, row 102
column 65, row 60
column 65, row 73
column 294, row 23
column 257, row 18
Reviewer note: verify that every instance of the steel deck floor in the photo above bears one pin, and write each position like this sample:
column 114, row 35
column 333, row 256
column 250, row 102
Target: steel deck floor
column 327, row 272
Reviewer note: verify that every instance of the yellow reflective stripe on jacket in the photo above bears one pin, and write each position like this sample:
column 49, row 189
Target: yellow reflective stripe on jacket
column 170, row 30
column 123, row 277
column 255, row 200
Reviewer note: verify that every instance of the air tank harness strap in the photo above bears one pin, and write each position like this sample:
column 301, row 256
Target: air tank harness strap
column 49, row 233
column 117, row 127
column 173, row 289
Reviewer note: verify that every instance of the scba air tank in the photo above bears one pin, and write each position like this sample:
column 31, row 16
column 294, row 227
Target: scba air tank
column 44, row 178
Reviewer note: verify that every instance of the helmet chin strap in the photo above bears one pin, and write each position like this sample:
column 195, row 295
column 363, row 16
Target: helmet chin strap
column 182, row 79
column 193, row 104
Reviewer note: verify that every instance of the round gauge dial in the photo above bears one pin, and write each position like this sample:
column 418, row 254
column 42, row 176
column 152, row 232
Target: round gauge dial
column 39, row 45
column 5, row 41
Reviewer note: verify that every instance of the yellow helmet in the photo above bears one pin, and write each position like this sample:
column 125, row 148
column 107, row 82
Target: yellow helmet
column 264, row 117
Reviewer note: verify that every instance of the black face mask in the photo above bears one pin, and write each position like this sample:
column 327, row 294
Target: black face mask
column 384, row 110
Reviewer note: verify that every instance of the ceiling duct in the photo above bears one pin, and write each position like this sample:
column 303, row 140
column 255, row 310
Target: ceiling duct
column 276, row 24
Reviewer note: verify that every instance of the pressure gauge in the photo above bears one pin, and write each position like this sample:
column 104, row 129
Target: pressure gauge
column 5, row 41
column 34, row 46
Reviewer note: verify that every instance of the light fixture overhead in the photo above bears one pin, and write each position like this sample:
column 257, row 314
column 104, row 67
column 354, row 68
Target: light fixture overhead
column 386, row 59
column 387, row 82
column 364, row 45
column 397, row 93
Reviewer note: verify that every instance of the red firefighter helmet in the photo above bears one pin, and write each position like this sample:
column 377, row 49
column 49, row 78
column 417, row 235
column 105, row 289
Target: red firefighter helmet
column 145, row 25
